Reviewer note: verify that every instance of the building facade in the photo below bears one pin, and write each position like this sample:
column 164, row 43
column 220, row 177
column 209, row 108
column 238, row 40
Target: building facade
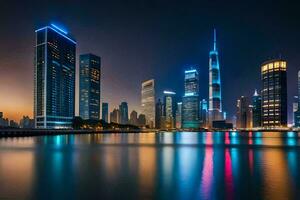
column 89, row 86
column 115, row 116
column 179, row 115
column 134, row 118
column 190, row 100
column 274, row 93
column 256, row 110
column 243, row 115
column 203, row 113
column 158, row 114
column 105, row 112
column 148, row 102
column 169, row 111
column 123, row 107
column 297, row 113
column 54, row 78
column 215, row 97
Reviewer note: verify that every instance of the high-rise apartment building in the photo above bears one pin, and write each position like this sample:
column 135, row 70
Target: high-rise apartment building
column 179, row 115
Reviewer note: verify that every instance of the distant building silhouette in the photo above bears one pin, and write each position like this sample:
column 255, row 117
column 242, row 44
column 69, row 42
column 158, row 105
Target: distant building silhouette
column 105, row 112
column 158, row 114
column 256, row 110
column 134, row 118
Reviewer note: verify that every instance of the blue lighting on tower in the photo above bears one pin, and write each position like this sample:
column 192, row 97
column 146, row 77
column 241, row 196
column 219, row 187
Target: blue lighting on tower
column 60, row 29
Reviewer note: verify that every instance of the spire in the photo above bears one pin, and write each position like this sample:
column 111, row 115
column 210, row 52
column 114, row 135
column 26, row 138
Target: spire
column 215, row 40
column 255, row 93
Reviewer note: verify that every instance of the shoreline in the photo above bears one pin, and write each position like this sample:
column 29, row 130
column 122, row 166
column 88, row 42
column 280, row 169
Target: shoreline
column 46, row 132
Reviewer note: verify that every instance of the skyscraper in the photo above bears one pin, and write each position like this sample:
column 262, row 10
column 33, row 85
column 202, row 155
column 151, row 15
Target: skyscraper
column 215, row 98
column 115, row 116
column 134, row 118
column 297, row 113
column 158, row 114
column 105, row 111
column 243, row 114
column 274, row 93
column 148, row 102
column 123, row 113
column 179, row 115
column 256, row 110
column 54, row 78
column 89, row 86
column 190, row 100
column 169, row 109
column 203, row 111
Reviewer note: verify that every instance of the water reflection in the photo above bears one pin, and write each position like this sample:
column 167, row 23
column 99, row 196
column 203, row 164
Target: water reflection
column 211, row 165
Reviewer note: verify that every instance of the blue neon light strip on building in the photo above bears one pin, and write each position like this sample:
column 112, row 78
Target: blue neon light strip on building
column 60, row 33
column 190, row 71
column 189, row 94
column 169, row 92
column 60, row 29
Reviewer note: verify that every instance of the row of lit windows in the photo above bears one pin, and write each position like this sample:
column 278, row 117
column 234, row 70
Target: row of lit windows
column 274, row 65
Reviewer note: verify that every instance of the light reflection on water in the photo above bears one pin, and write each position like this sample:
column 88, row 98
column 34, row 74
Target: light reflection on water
column 211, row 165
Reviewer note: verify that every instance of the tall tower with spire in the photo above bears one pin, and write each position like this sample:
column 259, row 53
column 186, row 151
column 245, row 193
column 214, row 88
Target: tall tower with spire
column 215, row 98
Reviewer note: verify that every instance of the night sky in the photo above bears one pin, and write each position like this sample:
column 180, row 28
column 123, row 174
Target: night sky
column 139, row 40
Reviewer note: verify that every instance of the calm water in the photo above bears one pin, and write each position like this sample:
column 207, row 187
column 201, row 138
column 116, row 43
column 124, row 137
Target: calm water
column 147, row 166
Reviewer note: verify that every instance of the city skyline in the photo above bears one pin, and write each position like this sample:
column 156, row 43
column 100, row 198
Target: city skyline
column 17, row 66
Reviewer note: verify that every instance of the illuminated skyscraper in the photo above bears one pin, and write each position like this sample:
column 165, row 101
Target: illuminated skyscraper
column 256, row 110
column 105, row 112
column 89, row 86
column 215, row 98
column 148, row 102
column 297, row 113
column 169, row 109
column 274, row 93
column 54, row 78
column 179, row 115
column 123, row 113
column 190, row 100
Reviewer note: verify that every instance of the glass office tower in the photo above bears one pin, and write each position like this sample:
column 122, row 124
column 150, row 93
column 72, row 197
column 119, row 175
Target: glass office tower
column 215, row 98
column 89, row 86
column 123, row 113
column 169, row 111
column 54, row 78
column 190, row 100
column 274, row 94
column 148, row 102
column 256, row 110
column 105, row 112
